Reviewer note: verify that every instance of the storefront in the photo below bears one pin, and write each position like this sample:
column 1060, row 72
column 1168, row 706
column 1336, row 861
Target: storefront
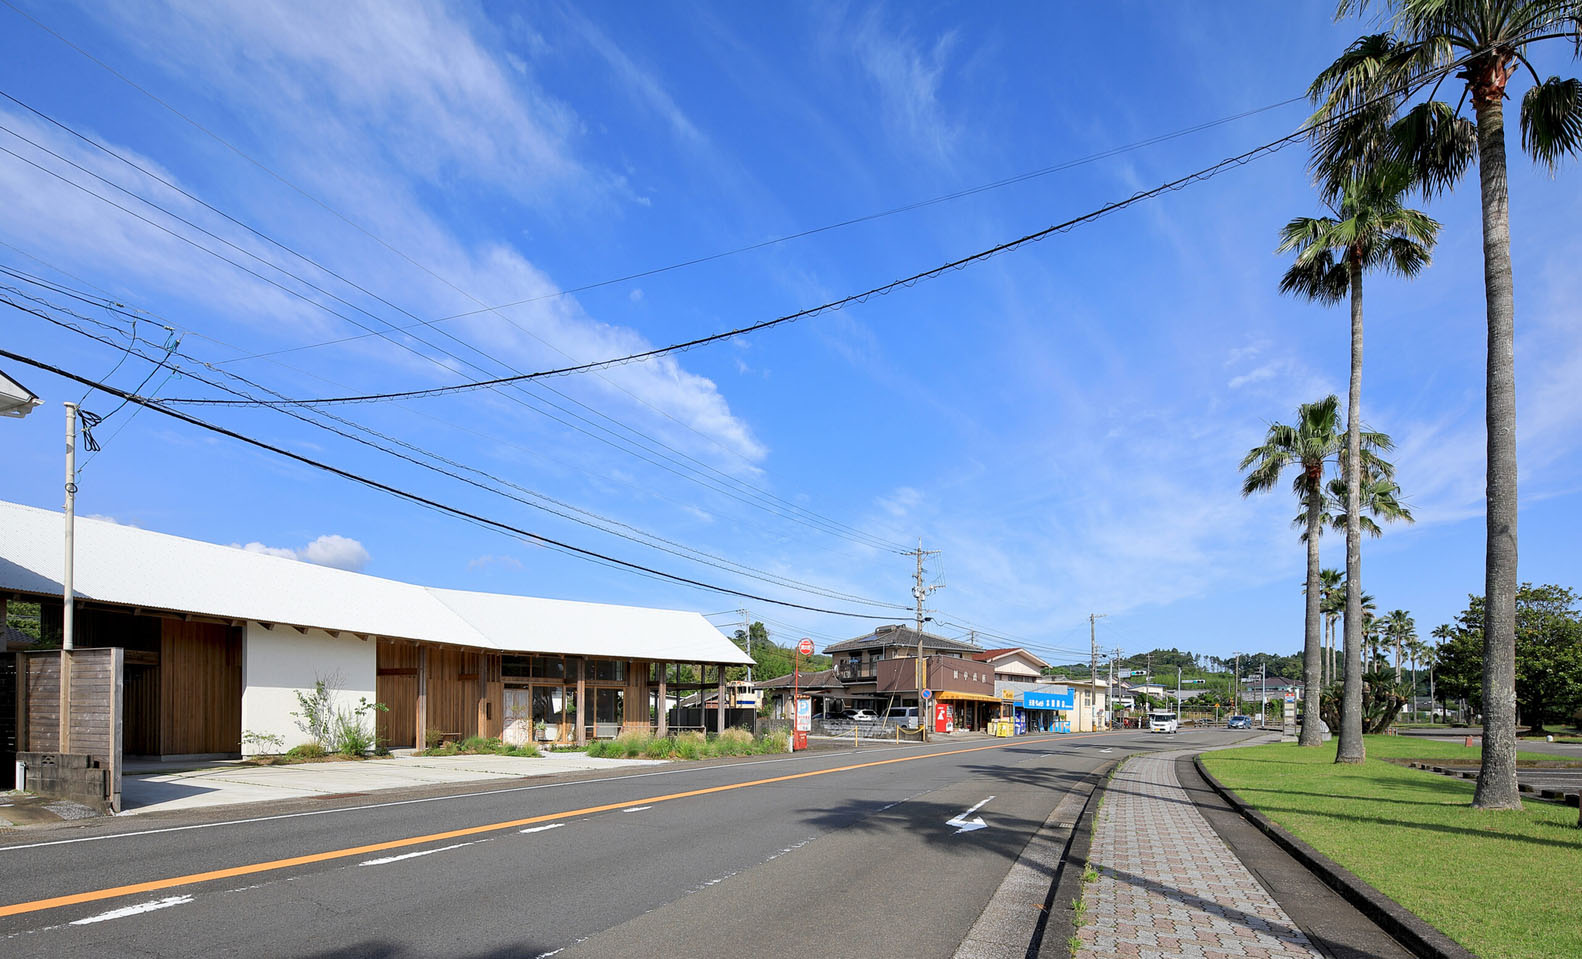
column 1045, row 711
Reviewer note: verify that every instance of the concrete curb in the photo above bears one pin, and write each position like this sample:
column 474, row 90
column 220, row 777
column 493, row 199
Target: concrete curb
column 1051, row 939
column 1403, row 925
column 1526, row 789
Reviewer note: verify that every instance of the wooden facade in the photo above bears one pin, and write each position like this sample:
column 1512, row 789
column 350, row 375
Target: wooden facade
column 181, row 687
column 182, row 678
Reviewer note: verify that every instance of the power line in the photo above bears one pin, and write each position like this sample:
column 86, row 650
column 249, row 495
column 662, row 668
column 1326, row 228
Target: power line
column 286, row 182
column 813, row 519
column 814, row 231
column 651, row 540
column 414, row 497
column 115, row 307
column 1204, row 174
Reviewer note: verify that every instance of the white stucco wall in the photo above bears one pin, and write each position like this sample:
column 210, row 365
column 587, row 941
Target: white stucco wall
column 278, row 662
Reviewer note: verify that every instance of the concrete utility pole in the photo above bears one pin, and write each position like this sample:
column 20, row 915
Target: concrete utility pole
column 747, row 630
column 920, row 593
column 1093, row 680
column 68, row 594
column 1263, row 709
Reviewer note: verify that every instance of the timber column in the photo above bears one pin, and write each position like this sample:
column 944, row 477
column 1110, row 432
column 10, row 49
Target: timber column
column 663, row 720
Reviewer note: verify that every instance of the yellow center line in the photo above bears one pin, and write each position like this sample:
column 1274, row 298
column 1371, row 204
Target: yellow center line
column 153, row 885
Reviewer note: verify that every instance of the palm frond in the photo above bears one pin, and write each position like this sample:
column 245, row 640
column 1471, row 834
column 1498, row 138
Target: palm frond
column 1435, row 144
column 1552, row 120
column 1323, row 280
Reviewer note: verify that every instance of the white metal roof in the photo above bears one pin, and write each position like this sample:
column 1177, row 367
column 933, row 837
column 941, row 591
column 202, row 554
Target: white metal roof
column 136, row 567
column 15, row 399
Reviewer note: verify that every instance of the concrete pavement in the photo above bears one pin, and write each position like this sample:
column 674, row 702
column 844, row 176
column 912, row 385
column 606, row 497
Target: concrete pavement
column 1168, row 886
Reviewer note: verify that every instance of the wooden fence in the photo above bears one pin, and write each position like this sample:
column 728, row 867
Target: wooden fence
column 69, row 704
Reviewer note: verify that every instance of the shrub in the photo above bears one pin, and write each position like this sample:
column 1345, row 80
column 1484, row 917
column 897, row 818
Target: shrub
column 264, row 744
column 307, row 751
column 659, row 748
column 432, row 738
column 734, row 742
column 775, row 742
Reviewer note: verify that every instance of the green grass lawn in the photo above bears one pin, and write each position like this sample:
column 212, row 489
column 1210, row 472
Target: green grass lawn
column 1503, row 884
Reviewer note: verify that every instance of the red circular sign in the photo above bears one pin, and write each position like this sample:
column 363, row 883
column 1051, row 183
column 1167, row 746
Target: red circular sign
column 805, row 647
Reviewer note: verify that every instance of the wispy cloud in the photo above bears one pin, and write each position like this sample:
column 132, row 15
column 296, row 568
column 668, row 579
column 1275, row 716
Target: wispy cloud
column 909, row 74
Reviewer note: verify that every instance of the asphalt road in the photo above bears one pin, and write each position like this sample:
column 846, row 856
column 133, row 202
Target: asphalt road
column 830, row 853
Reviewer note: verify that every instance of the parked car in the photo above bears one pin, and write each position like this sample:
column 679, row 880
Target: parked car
column 861, row 715
column 1162, row 722
column 903, row 716
column 1239, row 722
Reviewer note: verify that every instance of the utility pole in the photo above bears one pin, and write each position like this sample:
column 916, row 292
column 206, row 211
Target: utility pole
column 747, row 630
column 68, row 594
column 1178, row 696
column 1093, row 681
column 1263, row 709
column 920, row 593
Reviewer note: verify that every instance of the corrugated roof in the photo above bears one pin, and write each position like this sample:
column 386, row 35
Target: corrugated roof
column 136, row 567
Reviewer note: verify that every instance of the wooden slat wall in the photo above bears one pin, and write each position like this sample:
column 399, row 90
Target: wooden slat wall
column 635, row 702
column 200, row 689
column 92, row 702
column 397, row 726
column 141, row 711
column 41, row 698
column 452, row 701
column 492, row 719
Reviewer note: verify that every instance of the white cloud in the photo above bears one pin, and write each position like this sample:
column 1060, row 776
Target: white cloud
column 332, row 549
column 504, row 561
column 909, row 75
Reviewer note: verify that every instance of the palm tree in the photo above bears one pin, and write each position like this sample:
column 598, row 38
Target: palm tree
column 1371, row 229
column 1400, row 630
column 1331, row 602
column 1310, row 445
column 1485, row 43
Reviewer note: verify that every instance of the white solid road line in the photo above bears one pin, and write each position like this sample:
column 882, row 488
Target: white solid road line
column 138, row 909
column 414, row 855
column 553, row 825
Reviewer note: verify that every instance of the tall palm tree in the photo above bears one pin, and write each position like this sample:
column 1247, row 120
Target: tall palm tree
column 1371, row 229
column 1486, row 43
column 1311, row 445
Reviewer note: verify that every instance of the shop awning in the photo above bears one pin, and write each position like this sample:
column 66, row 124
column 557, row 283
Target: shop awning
column 969, row 697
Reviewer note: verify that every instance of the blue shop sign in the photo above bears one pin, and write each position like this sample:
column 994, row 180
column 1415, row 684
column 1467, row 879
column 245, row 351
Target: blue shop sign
column 1032, row 700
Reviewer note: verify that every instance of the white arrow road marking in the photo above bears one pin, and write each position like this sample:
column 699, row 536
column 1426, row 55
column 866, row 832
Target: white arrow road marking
column 414, row 855
column 142, row 907
column 963, row 824
column 1106, row 749
column 636, row 808
column 553, row 825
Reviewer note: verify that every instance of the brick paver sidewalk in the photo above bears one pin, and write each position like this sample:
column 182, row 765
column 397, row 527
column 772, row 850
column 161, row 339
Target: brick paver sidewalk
column 1168, row 886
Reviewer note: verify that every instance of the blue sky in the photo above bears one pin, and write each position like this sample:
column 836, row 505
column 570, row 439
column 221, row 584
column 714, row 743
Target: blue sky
column 1063, row 422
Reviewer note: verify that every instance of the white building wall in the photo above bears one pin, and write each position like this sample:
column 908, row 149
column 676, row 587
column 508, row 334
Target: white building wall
column 278, row 662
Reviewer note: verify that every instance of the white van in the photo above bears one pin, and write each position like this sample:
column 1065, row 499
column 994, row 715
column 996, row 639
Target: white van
column 1162, row 722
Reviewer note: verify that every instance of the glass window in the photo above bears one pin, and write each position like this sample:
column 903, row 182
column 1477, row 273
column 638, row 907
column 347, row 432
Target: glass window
column 549, row 667
column 607, row 705
column 516, row 667
column 607, row 670
column 547, row 704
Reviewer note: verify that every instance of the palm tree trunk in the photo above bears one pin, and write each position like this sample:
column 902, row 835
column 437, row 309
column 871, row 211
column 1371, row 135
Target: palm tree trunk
column 1312, row 648
column 1497, row 776
column 1351, row 749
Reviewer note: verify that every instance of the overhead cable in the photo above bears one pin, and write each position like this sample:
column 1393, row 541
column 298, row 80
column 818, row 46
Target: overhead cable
column 409, row 496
